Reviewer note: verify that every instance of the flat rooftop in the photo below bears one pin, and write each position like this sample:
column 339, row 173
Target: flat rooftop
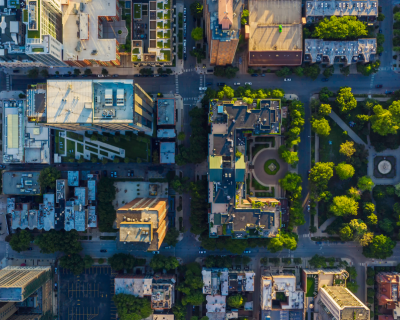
column 73, row 178
column 90, row 101
column 166, row 111
column 135, row 232
column 166, row 133
column 21, row 182
column 357, row 8
column 80, row 31
column 138, row 286
column 267, row 43
column 167, row 152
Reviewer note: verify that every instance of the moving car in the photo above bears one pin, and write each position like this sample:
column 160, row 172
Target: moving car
column 236, row 84
column 103, row 250
column 248, row 84
column 221, row 84
column 246, row 251
column 254, row 75
column 324, row 79
column 287, row 79
column 202, row 88
column 156, row 252
column 263, row 75
column 378, row 86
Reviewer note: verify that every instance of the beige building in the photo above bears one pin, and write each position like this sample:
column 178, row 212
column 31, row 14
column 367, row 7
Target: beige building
column 7, row 309
column 275, row 33
column 98, row 105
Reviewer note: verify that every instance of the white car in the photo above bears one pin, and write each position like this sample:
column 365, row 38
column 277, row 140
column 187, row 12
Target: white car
column 248, row 84
column 236, row 84
column 287, row 79
column 202, row 88
column 247, row 251
column 184, row 43
column 184, row 11
column 100, row 75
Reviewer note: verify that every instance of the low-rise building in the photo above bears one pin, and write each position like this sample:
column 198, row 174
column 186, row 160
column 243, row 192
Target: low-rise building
column 315, row 279
column 233, row 212
column 388, row 294
column 167, row 152
column 363, row 10
column 275, row 33
column 24, row 140
column 216, row 307
column 98, row 105
column 143, row 222
column 21, row 183
column 342, row 52
column 339, row 303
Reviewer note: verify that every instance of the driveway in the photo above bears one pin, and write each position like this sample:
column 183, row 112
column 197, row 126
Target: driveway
column 259, row 173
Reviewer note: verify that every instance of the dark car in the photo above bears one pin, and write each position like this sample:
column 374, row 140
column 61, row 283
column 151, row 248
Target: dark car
column 66, row 75
column 2, row 166
column 184, row 56
column 208, row 84
column 30, row 248
column 145, row 35
column 378, row 86
column 115, row 75
column 380, row 30
column 137, row 75
column 254, row 75
column 103, row 250
column 104, row 173
column 164, row 75
column 84, row 75
column 15, row 71
column 324, row 79
column 318, row 242
column 220, row 84
column 74, row 75
column 388, row 92
column 145, row 25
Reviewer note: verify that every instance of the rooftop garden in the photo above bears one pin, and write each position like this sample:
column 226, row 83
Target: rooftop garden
column 160, row 5
column 167, row 15
column 137, row 11
column 167, row 55
column 35, row 34
column 160, row 14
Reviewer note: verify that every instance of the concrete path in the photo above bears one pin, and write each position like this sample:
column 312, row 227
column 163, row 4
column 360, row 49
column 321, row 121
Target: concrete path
column 345, row 127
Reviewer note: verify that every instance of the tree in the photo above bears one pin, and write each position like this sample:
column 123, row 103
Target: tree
column 181, row 136
column 354, row 193
column 343, row 205
column 386, row 225
column 347, row 148
column 381, row 247
column 48, row 177
column 44, row 73
column 358, row 226
column 312, row 71
column 328, row 72
column 282, row 240
column 320, row 126
column 171, row 238
column 345, row 100
column 179, row 311
column 381, row 17
column 130, row 307
column 88, row 72
column 77, row 72
column 383, row 121
column 73, row 262
column 121, row 261
column 320, row 174
column 20, row 241
column 372, row 219
column 344, row 170
column 317, row 261
column 340, row 28
column 197, row 34
column 325, row 94
column 284, row 72
column 196, row 298
column 196, row 9
column 287, row 155
column 365, row 183
column 291, row 182
column 245, row 17
column 88, row 261
column 299, row 71
column 104, row 72
column 352, row 286
column 346, row 234
column 235, row 301
column 100, row 261
column 33, row 73
column 325, row 110
column 366, row 239
column 64, row 241
column 159, row 262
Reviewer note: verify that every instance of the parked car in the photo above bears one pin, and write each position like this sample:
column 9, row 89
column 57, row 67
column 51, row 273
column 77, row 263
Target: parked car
column 184, row 56
column 145, row 25
column 104, row 173
column 184, row 49
column 388, row 92
column 168, row 247
column 66, row 75
column 2, row 166
column 30, row 248
column 221, row 84
column 263, row 75
column 112, row 174
column 100, row 75
column 103, row 250
column 236, row 84
column 156, row 252
column 203, row 88
column 55, row 270
column 287, row 79
column 208, row 84
column 248, row 84
column 318, row 242
column 202, row 252
column 246, row 251
column 137, row 75
column 380, row 30
column 16, row 71
column 115, row 75
column 184, row 19
column 254, row 75
column 184, row 11
column 324, row 79
column 163, row 75
column 378, row 86
column 240, row 60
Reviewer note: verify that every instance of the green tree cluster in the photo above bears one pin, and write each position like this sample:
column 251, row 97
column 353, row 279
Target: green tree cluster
column 63, row 241
column 245, row 17
column 284, row 240
column 344, row 170
column 159, row 262
column 345, row 100
column 196, row 9
column 121, row 261
column 340, row 28
column 236, row 301
column 198, row 207
column 171, row 238
column 72, row 262
column 130, row 307
column 225, row 72
column 368, row 68
column 192, row 284
column 386, row 121
column 107, row 214
column 47, row 178
column 343, row 205
column 381, row 247
column 320, row 174
column 292, row 184
column 320, row 126
column 197, row 34
column 20, row 241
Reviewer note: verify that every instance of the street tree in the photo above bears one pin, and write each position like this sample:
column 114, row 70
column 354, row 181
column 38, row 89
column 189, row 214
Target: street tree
column 365, row 183
column 196, row 9
column 104, row 72
column 312, row 71
column 372, row 219
column 88, row 261
column 77, row 72
column 284, row 72
column 320, row 174
column 159, row 262
column 343, row 205
column 63, row 241
column 245, row 17
column 291, row 182
column 366, row 239
column 44, row 73
column 130, row 307
column 320, row 126
column 324, row 109
column 197, row 34
column 20, row 241
column 386, row 225
column 181, row 136
column 358, row 226
column 72, row 262
column 344, row 170
column 381, row 247
column 345, row 233
column 347, row 148
column 48, row 177
column 33, row 73
column 171, row 238
column 299, row 71
column 196, row 298
column 287, row 155
column 383, row 121
column 88, row 72
column 317, row 261
column 345, row 100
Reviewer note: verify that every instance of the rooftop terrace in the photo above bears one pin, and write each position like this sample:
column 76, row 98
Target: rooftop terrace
column 364, row 8
column 166, row 111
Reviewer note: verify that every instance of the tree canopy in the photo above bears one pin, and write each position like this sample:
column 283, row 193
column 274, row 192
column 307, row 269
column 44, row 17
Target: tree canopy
column 347, row 148
column 287, row 155
column 291, row 182
column 197, row 34
column 171, row 238
column 324, row 109
column 282, row 240
column 121, row 261
column 192, row 284
column 236, row 301
column 340, row 28
column 381, row 247
column 107, row 213
column 320, row 174
column 73, row 262
column 64, row 241
column 365, row 183
column 345, row 100
column 130, row 307
column 196, row 9
column 20, row 241
column 48, row 177
column 321, row 126
column 159, row 262
column 344, row 170
column 344, row 205
column 386, row 121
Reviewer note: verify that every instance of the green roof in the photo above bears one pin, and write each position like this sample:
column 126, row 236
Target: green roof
column 217, row 219
column 240, row 168
column 215, row 166
column 12, row 131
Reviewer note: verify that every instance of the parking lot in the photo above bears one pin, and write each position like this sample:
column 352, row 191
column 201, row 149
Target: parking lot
column 88, row 295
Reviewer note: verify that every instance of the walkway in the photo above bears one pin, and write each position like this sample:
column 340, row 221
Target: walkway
column 345, row 127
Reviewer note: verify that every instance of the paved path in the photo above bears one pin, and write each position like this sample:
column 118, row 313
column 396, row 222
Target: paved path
column 345, row 127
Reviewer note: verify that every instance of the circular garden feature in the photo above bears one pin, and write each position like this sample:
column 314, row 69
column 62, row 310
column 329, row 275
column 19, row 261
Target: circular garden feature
column 271, row 167
column 384, row 167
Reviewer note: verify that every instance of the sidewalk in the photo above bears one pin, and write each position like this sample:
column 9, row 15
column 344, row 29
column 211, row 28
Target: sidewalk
column 345, row 127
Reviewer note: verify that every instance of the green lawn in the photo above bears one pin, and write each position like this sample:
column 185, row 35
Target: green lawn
column 160, row 25
column 135, row 50
column 258, row 186
column 167, row 34
column 258, row 148
column 168, row 5
column 167, row 44
column 160, row 15
column 91, row 149
column 80, row 147
column 329, row 146
column 59, row 149
column 160, row 34
column 75, row 136
column 103, row 153
column 70, row 147
column 310, row 287
column 167, row 55
column 268, row 163
column 160, row 5
column 167, row 25
column 160, row 44
column 138, row 10
column 167, row 15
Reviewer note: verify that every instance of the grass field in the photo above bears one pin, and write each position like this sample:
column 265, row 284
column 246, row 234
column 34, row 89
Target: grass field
column 329, row 146
column 70, row 147
column 79, row 147
column 310, row 287
column 75, row 136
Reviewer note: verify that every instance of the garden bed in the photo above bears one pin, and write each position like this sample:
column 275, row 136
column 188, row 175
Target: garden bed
column 269, row 164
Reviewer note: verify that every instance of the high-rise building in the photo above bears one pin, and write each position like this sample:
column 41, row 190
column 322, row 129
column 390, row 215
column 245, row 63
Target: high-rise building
column 112, row 105
column 18, row 283
column 143, row 221
column 90, row 34
column 222, row 20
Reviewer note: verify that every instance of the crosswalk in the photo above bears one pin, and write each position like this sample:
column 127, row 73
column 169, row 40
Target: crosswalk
column 8, row 82
column 188, row 70
column 176, row 84
column 371, row 83
column 190, row 98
